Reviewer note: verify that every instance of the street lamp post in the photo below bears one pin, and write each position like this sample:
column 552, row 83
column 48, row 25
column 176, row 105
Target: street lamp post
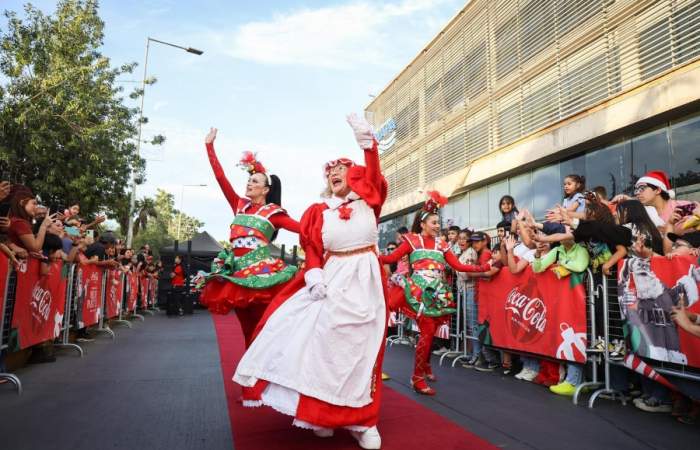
column 182, row 199
column 132, row 203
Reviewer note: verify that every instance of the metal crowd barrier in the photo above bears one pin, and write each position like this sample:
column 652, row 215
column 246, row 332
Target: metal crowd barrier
column 459, row 329
column 6, row 324
column 123, row 304
column 69, row 312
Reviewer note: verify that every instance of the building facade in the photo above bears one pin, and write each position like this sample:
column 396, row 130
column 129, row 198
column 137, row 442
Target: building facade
column 513, row 95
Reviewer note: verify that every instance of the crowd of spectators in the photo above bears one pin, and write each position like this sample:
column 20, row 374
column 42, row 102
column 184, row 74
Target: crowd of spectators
column 30, row 230
column 586, row 230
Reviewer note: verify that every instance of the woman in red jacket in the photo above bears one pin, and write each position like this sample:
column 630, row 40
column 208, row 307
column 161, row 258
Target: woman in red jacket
column 252, row 276
column 424, row 296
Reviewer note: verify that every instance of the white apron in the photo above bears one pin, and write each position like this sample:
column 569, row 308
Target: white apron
column 326, row 348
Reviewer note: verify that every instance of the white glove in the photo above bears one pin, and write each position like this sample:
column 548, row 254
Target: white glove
column 318, row 292
column 364, row 135
column 314, row 283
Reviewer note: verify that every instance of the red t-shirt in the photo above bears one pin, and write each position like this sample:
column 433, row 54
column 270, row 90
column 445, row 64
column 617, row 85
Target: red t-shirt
column 179, row 278
column 484, row 258
column 18, row 227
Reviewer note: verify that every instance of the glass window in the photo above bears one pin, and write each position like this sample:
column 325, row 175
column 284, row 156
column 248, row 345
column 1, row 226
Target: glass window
column 536, row 27
column 685, row 173
column 610, row 167
column 457, row 212
column 575, row 166
column 478, row 208
column 546, row 189
column 496, row 191
column 521, row 190
column 506, row 47
column 651, row 151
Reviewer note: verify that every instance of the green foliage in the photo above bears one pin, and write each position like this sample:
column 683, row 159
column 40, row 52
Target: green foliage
column 157, row 222
column 66, row 131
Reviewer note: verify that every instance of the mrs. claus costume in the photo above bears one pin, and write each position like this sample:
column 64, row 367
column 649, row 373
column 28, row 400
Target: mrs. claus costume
column 318, row 354
column 250, row 277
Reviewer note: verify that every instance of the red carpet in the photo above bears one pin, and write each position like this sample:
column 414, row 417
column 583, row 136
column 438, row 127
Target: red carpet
column 264, row 429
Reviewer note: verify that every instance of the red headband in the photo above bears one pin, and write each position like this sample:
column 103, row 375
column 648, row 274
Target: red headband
column 341, row 161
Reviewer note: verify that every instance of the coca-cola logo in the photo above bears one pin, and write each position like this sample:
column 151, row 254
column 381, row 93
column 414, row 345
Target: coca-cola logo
column 40, row 304
column 526, row 315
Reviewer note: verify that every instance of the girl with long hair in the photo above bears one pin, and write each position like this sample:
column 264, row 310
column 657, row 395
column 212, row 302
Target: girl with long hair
column 423, row 295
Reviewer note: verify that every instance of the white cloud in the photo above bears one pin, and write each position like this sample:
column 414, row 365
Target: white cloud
column 339, row 37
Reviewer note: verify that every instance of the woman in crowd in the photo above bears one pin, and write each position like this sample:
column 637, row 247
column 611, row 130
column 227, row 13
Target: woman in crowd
column 424, row 296
column 22, row 211
column 255, row 276
column 654, row 191
column 318, row 354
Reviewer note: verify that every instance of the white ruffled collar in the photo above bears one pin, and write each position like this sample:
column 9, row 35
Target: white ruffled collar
column 335, row 202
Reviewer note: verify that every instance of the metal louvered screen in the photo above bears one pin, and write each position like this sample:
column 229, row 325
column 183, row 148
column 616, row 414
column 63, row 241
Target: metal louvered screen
column 507, row 68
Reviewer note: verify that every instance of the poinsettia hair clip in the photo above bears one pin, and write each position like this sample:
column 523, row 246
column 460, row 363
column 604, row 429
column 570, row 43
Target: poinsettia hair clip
column 433, row 204
column 250, row 163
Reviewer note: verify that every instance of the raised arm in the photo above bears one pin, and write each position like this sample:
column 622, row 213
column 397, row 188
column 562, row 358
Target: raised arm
column 454, row 262
column 365, row 139
column 394, row 257
column 226, row 187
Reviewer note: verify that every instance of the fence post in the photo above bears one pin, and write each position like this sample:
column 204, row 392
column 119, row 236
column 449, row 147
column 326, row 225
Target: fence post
column 123, row 302
column 607, row 388
column 145, row 296
column 68, row 312
column 101, row 328
column 593, row 354
column 6, row 318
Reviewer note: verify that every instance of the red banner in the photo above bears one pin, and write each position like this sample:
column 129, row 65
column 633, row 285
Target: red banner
column 133, row 282
column 152, row 295
column 40, row 302
column 144, row 292
column 90, row 294
column 115, row 289
column 647, row 293
column 4, row 272
column 535, row 313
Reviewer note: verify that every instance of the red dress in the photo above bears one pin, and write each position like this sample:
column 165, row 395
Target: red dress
column 254, row 277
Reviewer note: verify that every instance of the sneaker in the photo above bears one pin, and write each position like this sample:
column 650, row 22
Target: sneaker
column 653, row 405
column 368, row 439
column 565, row 388
column 470, row 363
column 483, row 366
column 526, row 374
column 440, row 351
column 506, row 371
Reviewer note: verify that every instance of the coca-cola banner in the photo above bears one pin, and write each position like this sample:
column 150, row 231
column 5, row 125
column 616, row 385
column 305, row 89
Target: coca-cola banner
column 115, row 289
column 4, row 272
column 535, row 313
column 647, row 292
column 89, row 294
column 144, row 292
column 40, row 302
column 133, row 287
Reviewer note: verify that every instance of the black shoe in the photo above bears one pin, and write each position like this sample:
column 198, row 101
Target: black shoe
column 506, row 371
column 470, row 363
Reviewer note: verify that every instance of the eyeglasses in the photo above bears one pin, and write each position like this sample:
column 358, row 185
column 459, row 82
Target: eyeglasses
column 680, row 244
column 639, row 189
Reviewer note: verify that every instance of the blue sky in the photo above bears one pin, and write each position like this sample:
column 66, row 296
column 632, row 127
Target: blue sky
column 276, row 77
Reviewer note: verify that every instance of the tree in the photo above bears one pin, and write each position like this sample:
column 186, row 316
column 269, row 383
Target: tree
column 66, row 131
column 162, row 229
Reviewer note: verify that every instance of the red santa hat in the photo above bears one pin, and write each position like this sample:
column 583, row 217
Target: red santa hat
column 659, row 179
